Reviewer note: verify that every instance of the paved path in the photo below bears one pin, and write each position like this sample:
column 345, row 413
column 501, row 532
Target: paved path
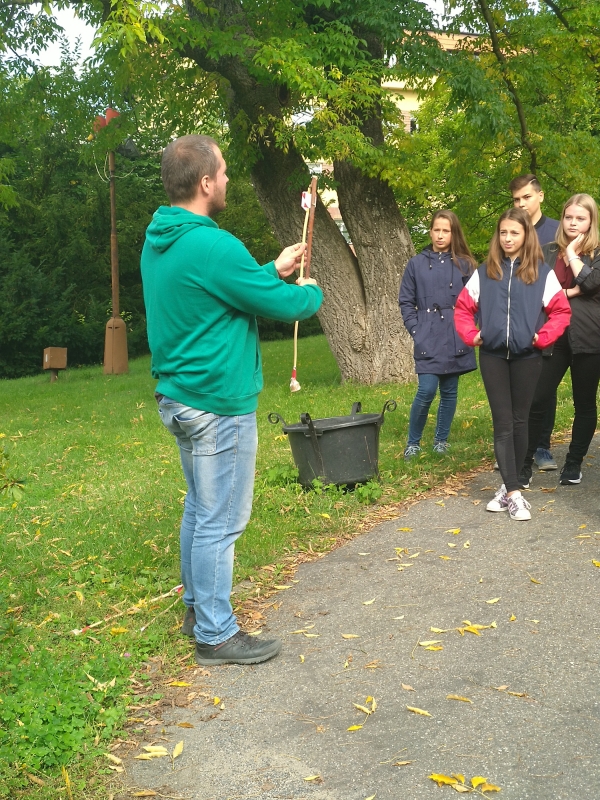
column 287, row 720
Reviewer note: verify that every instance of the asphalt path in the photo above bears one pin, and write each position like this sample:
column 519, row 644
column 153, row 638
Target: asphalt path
column 532, row 726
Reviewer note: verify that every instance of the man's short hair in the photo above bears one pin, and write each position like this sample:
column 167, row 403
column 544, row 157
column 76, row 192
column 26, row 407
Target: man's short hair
column 522, row 181
column 185, row 161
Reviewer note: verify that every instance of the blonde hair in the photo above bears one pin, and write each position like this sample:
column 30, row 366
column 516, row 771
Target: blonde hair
column 590, row 241
column 531, row 255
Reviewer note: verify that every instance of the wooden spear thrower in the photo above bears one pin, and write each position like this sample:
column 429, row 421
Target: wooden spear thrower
column 309, row 203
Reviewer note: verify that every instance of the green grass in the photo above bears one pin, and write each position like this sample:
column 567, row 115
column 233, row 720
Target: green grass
column 96, row 532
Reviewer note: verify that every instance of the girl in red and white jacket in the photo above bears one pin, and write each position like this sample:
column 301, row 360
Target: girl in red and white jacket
column 521, row 309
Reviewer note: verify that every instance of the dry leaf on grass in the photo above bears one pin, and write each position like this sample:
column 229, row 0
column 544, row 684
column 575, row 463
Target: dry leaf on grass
column 114, row 759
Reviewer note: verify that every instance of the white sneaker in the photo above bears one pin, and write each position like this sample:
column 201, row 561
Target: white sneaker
column 500, row 502
column 518, row 507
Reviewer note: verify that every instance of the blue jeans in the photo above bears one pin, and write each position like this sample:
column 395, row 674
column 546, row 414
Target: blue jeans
column 428, row 385
column 218, row 456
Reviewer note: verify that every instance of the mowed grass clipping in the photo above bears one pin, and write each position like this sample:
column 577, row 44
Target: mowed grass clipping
column 96, row 534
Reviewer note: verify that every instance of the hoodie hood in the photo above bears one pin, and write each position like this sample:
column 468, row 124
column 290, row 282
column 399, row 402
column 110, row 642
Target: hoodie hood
column 170, row 223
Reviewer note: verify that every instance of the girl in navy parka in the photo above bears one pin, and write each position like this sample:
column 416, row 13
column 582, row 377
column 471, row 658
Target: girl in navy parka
column 521, row 309
column 430, row 286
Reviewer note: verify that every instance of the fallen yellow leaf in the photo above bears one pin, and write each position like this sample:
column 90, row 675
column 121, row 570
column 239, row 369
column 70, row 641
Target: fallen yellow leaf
column 438, row 630
column 466, row 545
column 533, row 580
column 404, row 530
column 117, row 631
column 184, row 725
column 458, row 697
column 445, row 558
column 455, row 531
column 434, row 647
column 471, row 629
column 442, row 780
column 459, row 776
column 458, row 787
column 178, row 750
column 301, row 658
column 369, row 602
column 415, row 555
column 491, row 602
column 428, row 644
column 354, row 728
column 364, row 709
column 596, row 563
column 284, row 587
column 440, row 503
column 407, row 687
column 477, row 781
column 216, row 701
column 179, row 683
column 371, row 797
column 402, row 763
column 418, row 711
column 114, row 759
column 312, row 778
column 512, row 618
column 79, row 596
column 350, row 636
column 582, row 526
column 158, row 749
column 489, row 787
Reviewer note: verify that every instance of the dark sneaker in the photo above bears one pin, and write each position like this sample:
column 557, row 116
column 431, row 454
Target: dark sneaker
column 410, row 451
column 544, row 459
column 240, row 649
column 440, row 447
column 525, row 477
column 570, row 474
column 189, row 621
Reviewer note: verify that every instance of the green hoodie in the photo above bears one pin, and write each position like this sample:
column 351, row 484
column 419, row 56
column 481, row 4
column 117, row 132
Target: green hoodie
column 202, row 291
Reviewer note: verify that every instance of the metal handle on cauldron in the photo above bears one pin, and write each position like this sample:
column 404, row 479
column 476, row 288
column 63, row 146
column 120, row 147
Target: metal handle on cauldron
column 356, row 408
column 305, row 419
column 389, row 405
column 274, row 418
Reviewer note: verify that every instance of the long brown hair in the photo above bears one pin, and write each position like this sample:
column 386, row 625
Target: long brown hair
column 590, row 242
column 531, row 253
column 459, row 249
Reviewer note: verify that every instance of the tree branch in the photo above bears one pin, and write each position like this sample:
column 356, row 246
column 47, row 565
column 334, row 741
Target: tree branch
column 503, row 62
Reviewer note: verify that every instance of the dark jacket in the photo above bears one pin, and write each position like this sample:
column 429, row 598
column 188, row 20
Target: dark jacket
column 584, row 330
column 512, row 312
column 546, row 228
column 430, row 285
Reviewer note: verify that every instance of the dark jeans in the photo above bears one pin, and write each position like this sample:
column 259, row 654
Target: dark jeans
column 548, row 427
column 428, row 386
column 585, row 376
column 510, row 386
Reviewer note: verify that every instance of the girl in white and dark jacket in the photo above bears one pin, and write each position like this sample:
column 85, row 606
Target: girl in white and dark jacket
column 522, row 310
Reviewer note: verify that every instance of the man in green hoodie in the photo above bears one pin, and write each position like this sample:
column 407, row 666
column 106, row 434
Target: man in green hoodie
column 203, row 291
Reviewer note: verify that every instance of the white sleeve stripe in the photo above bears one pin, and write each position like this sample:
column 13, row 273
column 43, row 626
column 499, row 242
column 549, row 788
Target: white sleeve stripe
column 551, row 288
column 473, row 287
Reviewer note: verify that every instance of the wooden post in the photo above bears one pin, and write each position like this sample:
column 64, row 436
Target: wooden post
column 115, row 342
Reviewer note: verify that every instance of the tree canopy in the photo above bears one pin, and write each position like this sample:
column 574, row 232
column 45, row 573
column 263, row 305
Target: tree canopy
column 287, row 83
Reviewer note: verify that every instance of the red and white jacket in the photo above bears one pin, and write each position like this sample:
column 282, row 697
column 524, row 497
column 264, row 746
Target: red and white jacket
column 510, row 312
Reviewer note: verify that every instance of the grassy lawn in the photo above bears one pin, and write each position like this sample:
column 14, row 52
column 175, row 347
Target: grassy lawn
column 96, row 534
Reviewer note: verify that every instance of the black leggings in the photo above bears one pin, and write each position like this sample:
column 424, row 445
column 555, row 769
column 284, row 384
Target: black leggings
column 510, row 386
column 585, row 376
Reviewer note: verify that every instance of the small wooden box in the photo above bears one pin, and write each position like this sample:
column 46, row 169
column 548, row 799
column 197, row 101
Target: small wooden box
column 55, row 358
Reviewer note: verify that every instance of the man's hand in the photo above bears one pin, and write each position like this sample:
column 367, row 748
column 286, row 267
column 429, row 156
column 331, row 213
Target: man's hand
column 477, row 341
column 306, row 282
column 289, row 259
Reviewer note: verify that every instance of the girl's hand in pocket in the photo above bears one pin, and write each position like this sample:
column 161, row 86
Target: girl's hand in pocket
column 477, row 341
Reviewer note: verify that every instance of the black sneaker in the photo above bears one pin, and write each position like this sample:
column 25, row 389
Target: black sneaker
column 525, row 476
column 189, row 621
column 240, row 649
column 570, row 473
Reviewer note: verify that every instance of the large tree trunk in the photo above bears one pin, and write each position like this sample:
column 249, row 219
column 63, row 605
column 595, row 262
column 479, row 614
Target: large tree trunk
column 360, row 314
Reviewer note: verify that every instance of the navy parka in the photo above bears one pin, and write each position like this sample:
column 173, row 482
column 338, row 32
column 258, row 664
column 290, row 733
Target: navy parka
column 430, row 285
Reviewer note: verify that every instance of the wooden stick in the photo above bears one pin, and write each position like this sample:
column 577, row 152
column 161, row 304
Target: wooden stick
column 311, row 222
